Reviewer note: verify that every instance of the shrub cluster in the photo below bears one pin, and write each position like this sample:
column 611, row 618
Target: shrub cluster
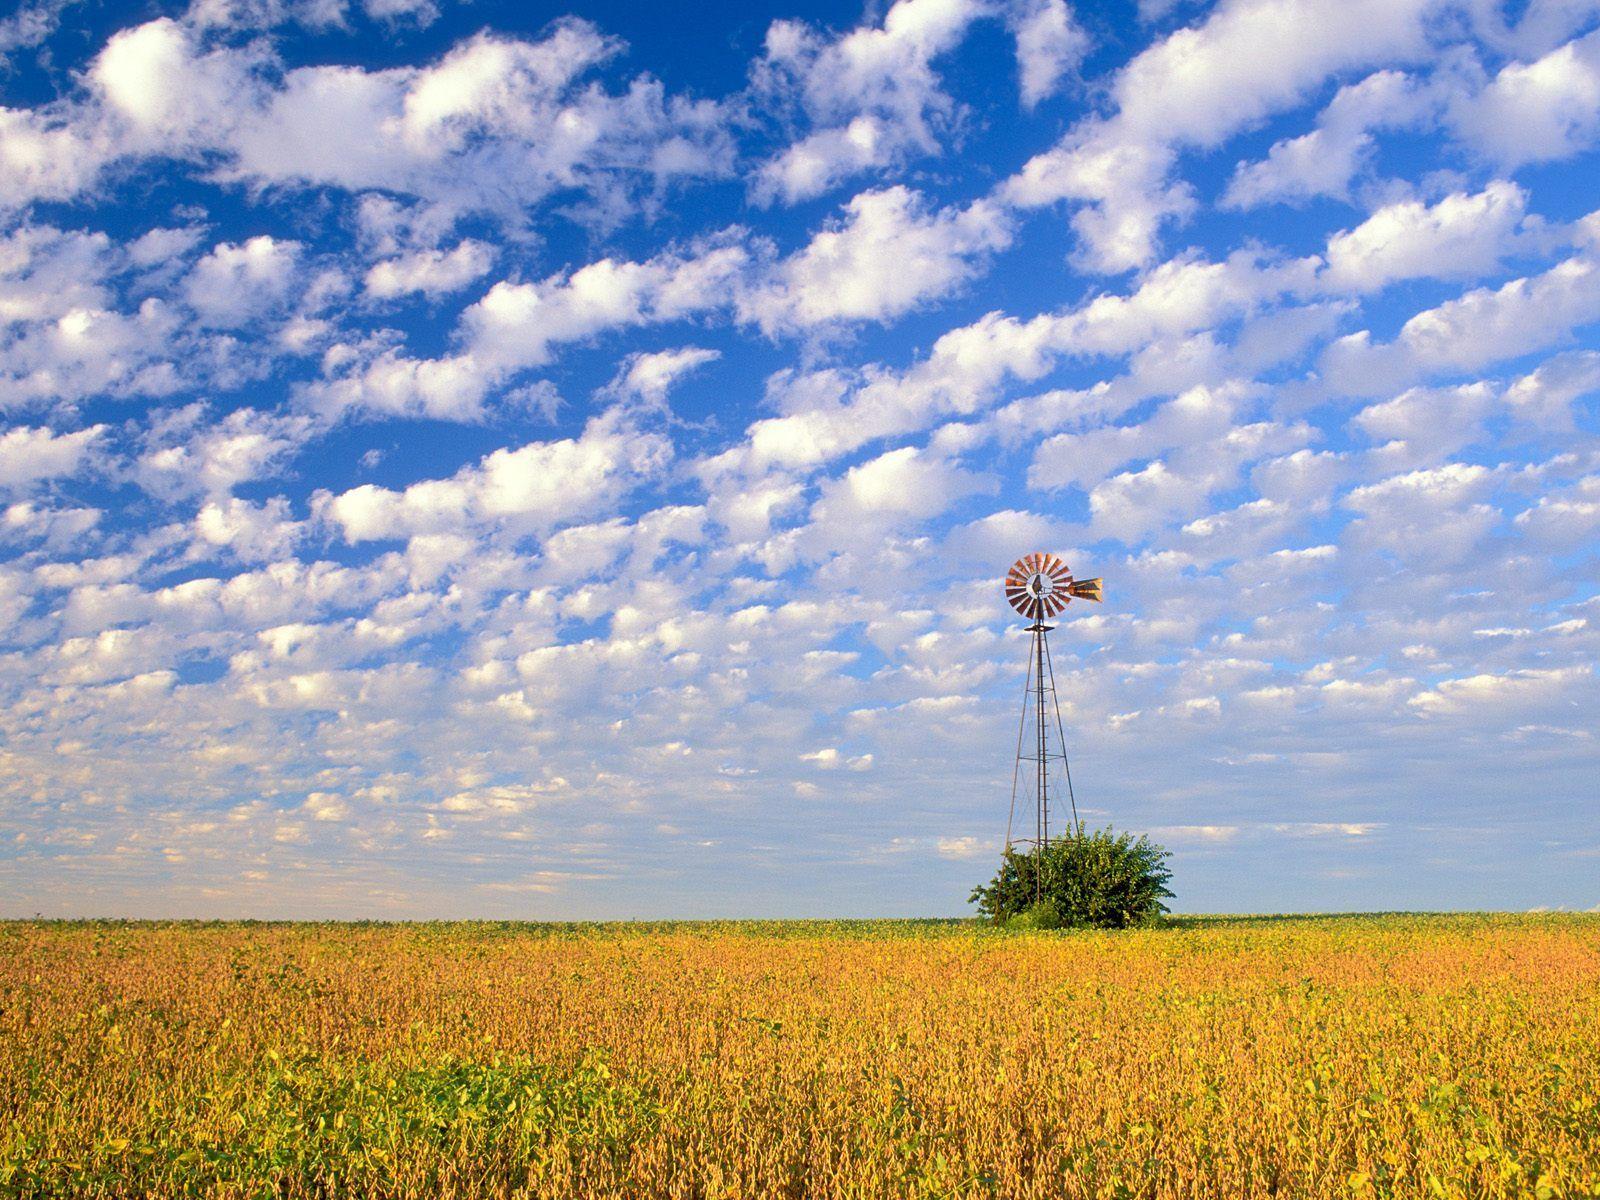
column 1094, row 879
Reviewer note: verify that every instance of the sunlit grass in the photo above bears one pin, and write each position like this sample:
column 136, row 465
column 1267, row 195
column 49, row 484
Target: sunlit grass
column 1396, row 1055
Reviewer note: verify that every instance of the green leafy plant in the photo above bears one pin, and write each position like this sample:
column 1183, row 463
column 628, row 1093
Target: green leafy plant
column 1043, row 914
column 1096, row 879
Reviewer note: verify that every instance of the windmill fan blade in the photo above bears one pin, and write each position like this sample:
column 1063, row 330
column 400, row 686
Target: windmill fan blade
column 1040, row 585
column 1086, row 589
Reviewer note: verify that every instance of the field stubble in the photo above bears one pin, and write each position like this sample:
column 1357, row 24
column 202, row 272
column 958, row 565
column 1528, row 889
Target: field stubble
column 1393, row 1056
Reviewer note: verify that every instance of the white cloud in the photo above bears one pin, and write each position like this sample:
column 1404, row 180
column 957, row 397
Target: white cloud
column 189, row 453
column 83, row 317
column 252, row 532
column 430, row 272
column 1434, row 518
column 90, row 351
column 390, row 383
column 31, row 23
column 1483, row 326
column 1306, row 478
column 516, row 326
column 1447, row 485
column 531, row 487
column 1565, row 520
column 163, row 248
column 890, row 254
column 820, row 161
column 58, row 530
column 1196, row 834
column 112, row 654
column 830, row 413
column 1545, row 396
column 1250, row 57
column 326, row 806
column 1461, row 237
column 872, row 94
column 1050, row 45
column 32, row 455
column 1539, row 26
column 44, row 157
column 964, row 848
column 1353, row 829
column 496, row 125
column 46, row 273
column 897, row 489
column 318, row 15
column 1425, row 426
column 170, row 95
column 239, row 283
column 1538, row 111
column 1324, row 161
column 1515, row 693
column 495, row 122
column 651, row 375
column 1084, row 459
column 905, row 482
column 1196, row 88
column 1132, row 504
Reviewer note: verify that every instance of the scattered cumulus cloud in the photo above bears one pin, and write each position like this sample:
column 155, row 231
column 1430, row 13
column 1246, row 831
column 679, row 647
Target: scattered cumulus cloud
column 524, row 474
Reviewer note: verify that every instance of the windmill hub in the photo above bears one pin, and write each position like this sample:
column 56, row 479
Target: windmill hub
column 1039, row 586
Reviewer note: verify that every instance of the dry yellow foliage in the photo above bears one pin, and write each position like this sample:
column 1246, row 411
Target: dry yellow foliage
column 1303, row 1057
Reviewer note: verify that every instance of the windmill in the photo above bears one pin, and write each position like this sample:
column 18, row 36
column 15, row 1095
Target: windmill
column 1040, row 586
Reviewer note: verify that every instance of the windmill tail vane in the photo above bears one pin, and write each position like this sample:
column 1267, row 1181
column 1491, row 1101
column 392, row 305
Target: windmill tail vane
column 1087, row 589
column 1040, row 586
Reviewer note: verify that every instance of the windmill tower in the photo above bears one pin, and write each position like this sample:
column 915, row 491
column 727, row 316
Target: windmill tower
column 1040, row 586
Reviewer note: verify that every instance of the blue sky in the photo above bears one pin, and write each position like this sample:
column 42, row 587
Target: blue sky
column 532, row 461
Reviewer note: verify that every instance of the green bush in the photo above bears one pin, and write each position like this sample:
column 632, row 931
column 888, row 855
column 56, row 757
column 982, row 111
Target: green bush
column 1088, row 879
column 1043, row 915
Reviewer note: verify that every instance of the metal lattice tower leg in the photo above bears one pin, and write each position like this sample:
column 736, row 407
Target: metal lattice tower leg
column 1039, row 694
column 1043, row 790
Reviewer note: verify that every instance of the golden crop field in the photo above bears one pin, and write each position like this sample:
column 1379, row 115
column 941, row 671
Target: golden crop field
column 1390, row 1056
